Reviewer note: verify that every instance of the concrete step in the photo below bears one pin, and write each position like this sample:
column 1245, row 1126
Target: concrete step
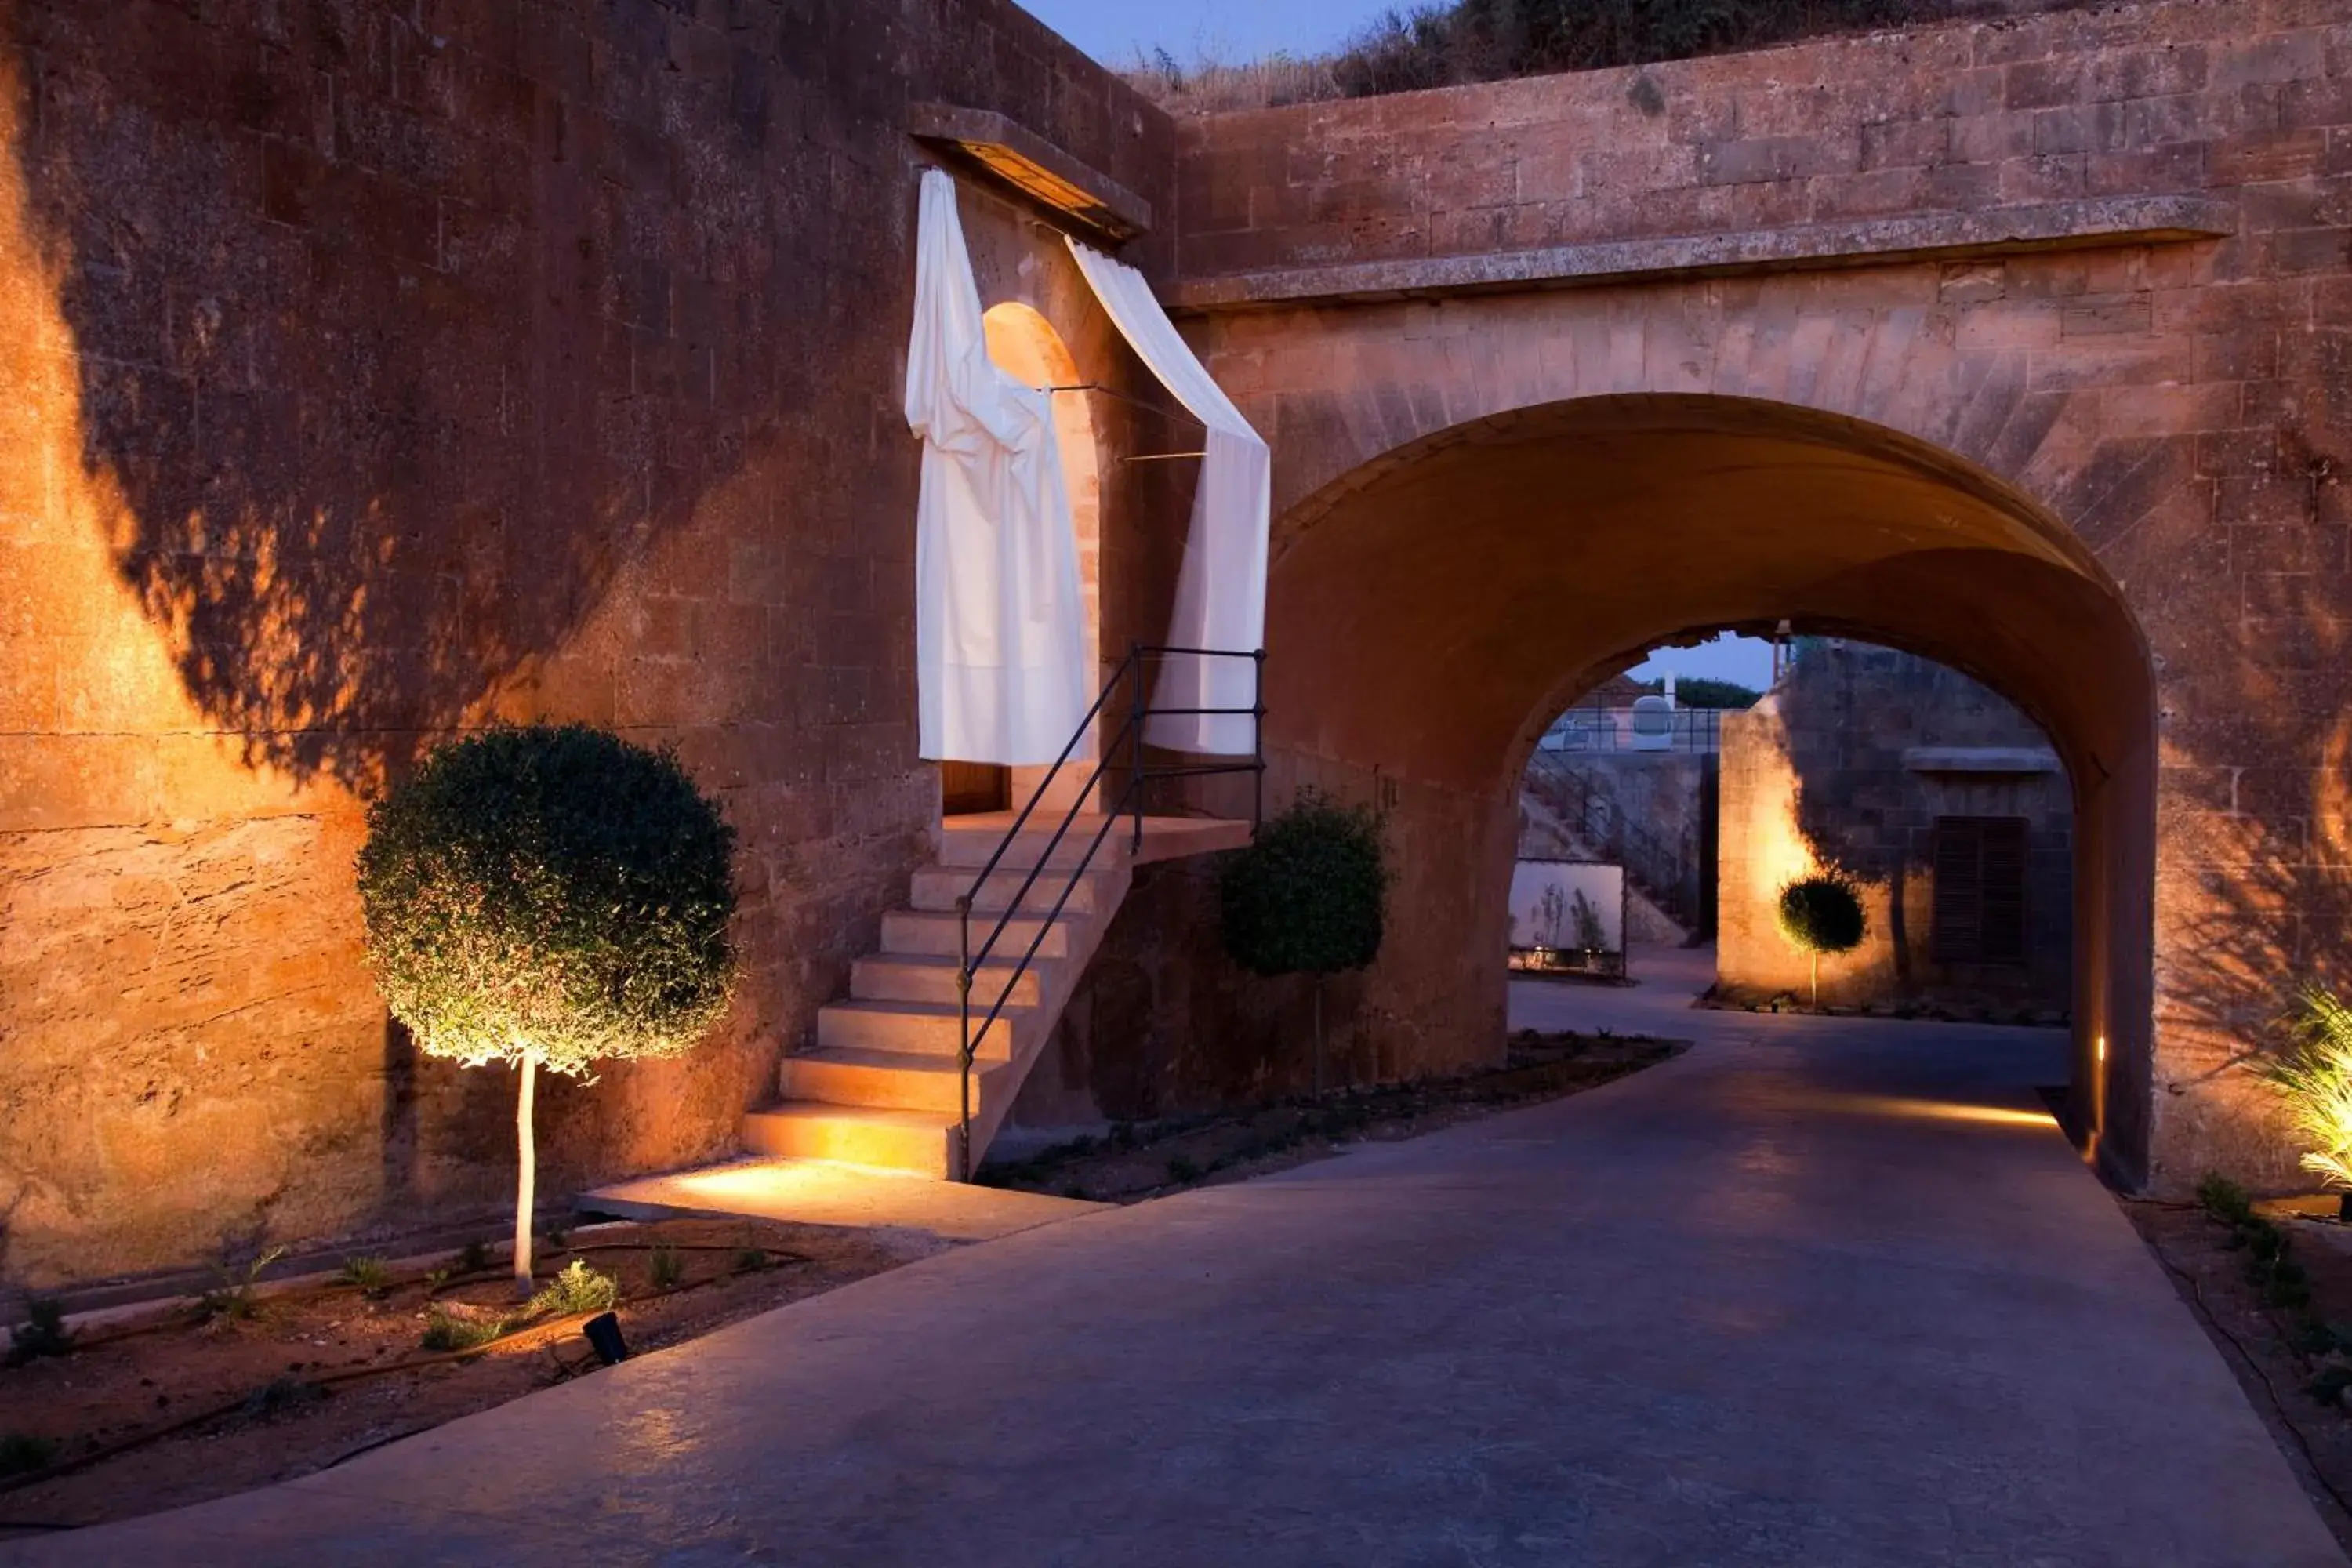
column 890, row 977
column 924, row 1028
column 971, row 847
column 930, row 933
column 922, row 1142
column 937, row 888
column 896, row 1081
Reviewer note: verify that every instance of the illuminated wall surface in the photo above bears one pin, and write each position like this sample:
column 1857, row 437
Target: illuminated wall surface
column 358, row 384
column 1846, row 767
column 362, row 382
column 2099, row 470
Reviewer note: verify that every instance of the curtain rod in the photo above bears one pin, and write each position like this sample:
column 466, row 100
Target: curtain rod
column 1125, row 397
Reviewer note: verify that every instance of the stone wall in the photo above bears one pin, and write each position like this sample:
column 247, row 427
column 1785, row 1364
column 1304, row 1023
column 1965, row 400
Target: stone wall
column 1825, row 773
column 2090, row 268
column 372, row 372
column 1652, row 810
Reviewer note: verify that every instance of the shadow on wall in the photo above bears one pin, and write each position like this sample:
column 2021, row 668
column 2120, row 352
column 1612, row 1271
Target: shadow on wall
column 377, row 451
column 2260, row 855
column 306, row 465
column 1849, row 713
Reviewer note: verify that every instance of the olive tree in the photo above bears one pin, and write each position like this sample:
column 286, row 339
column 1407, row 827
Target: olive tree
column 1822, row 913
column 1307, row 895
column 549, row 896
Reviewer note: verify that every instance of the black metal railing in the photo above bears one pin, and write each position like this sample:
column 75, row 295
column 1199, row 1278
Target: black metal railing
column 1667, row 871
column 1134, row 671
column 1596, row 727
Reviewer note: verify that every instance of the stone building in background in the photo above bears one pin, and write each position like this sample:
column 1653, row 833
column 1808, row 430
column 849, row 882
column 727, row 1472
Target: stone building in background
column 1945, row 805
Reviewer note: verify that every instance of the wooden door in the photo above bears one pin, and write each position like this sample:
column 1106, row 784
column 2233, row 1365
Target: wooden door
column 968, row 788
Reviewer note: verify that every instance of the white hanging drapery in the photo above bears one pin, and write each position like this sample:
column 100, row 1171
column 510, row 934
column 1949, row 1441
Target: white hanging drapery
column 1221, row 589
column 1001, row 673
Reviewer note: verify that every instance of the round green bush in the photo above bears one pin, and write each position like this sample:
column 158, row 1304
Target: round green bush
column 1307, row 894
column 1822, row 913
column 550, row 893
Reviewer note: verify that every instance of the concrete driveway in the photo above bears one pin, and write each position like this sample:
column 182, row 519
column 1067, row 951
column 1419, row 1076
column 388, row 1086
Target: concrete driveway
column 1815, row 1293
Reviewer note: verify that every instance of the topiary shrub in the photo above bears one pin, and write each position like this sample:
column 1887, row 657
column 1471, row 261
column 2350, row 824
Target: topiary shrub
column 549, row 896
column 1307, row 895
column 1822, row 913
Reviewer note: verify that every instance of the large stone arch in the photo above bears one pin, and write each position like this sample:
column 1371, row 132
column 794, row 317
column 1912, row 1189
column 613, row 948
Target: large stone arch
column 2167, row 419
column 1433, row 609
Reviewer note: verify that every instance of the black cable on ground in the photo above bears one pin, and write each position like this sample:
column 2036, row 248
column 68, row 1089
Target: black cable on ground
column 2206, row 1314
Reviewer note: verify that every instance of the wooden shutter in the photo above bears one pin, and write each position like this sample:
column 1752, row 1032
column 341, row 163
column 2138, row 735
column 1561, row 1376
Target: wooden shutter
column 1979, row 891
column 2001, row 924
column 1957, row 938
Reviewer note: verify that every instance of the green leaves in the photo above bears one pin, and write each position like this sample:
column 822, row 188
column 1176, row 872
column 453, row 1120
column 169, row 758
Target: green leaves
column 550, row 889
column 2315, row 1079
column 1308, row 893
column 1822, row 913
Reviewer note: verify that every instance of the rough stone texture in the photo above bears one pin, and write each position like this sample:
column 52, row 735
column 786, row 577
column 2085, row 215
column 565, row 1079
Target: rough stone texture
column 1821, row 1291
column 2159, row 432
column 1651, row 810
column 1821, row 773
column 368, row 369
column 1163, row 1023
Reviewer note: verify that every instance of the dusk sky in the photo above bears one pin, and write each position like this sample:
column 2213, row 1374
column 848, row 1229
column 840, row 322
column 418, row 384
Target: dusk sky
column 1116, row 31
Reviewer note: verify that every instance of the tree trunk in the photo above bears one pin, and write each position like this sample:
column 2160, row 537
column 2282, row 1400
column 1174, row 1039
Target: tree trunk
column 1817, row 980
column 526, row 1174
column 1318, row 1036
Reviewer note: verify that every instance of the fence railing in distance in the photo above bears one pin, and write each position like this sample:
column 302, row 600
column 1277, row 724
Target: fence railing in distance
column 1133, row 676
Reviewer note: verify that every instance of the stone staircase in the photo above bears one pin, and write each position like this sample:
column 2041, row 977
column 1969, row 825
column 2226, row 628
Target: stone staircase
column 881, row 1086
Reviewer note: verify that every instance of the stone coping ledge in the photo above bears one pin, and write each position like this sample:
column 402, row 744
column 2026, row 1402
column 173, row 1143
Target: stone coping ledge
column 1979, row 760
column 2099, row 222
column 1035, row 166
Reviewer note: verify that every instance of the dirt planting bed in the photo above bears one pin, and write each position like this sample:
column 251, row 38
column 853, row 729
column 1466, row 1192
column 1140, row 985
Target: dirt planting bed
column 191, row 1400
column 2272, row 1283
column 1143, row 1160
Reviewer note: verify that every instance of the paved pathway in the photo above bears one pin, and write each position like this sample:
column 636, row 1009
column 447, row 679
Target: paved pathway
column 1816, row 1293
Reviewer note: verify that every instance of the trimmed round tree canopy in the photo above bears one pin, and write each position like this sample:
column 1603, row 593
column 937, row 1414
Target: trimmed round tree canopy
column 1307, row 893
column 549, row 891
column 1822, row 913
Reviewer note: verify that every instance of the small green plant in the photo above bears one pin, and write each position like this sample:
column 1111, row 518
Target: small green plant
column 233, row 1297
column 750, row 1259
column 369, row 1275
column 1181, row 1169
column 665, row 1268
column 1822, row 913
column 473, row 1258
column 2224, row 1199
column 42, row 1333
column 434, row 1278
column 2330, row 1383
column 579, row 1289
column 449, row 1331
column 286, row 1391
column 1308, row 895
column 21, row 1454
column 2315, row 1079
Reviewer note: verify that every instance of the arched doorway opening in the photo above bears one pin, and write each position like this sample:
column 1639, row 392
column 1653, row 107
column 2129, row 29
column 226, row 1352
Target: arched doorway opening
column 1430, row 612
column 1023, row 345
column 1675, row 814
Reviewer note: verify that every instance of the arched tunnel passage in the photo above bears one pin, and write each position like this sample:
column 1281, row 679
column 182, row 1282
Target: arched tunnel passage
column 1430, row 612
column 1658, row 833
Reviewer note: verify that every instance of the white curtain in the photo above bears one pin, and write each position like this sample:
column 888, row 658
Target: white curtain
column 1221, row 589
column 1001, row 671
